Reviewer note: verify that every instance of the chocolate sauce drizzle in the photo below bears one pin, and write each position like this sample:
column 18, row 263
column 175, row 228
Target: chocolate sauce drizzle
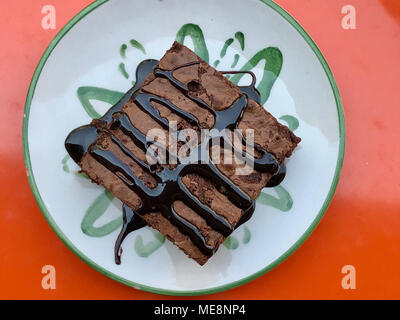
column 170, row 187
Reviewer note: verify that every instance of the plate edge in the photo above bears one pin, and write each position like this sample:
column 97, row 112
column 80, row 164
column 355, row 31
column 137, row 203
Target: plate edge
column 224, row 287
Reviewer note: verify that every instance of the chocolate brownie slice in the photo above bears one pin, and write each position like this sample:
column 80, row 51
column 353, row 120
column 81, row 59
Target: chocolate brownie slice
column 194, row 205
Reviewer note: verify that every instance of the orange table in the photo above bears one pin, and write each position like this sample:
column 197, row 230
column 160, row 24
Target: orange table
column 361, row 227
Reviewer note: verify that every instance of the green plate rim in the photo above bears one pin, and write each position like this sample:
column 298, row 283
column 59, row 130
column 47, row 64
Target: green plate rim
column 228, row 286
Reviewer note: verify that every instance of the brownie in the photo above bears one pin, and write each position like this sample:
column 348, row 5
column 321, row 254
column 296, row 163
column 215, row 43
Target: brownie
column 204, row 203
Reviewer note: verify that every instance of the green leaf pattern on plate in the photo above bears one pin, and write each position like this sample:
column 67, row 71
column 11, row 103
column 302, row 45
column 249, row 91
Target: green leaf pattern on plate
column 85, row 94
column 240, row 37
column 196, row 34
column 136, row 44
column 225, row 47
column 64, row 163
column 291, row 121
column 94, row 212
column 246, row 235
column 231, row 243
column 122, row 70
column 283, row 202
column 272, row 68
column 145, row 250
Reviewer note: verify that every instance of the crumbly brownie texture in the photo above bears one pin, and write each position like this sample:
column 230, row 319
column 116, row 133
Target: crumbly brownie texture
column 215, row 90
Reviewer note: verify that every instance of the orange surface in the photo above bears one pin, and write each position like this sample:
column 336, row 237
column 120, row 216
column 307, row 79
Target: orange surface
column 361, row 227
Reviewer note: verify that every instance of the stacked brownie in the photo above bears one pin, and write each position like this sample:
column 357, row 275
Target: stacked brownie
column 196, row 205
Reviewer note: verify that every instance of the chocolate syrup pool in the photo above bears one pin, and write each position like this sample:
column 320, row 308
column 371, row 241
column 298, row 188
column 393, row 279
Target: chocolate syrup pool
column 170, row 187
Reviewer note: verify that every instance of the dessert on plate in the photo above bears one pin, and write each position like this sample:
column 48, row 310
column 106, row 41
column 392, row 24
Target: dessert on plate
column 186, row 151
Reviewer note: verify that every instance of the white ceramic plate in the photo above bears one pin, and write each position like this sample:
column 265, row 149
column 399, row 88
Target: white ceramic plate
column 91, row 62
